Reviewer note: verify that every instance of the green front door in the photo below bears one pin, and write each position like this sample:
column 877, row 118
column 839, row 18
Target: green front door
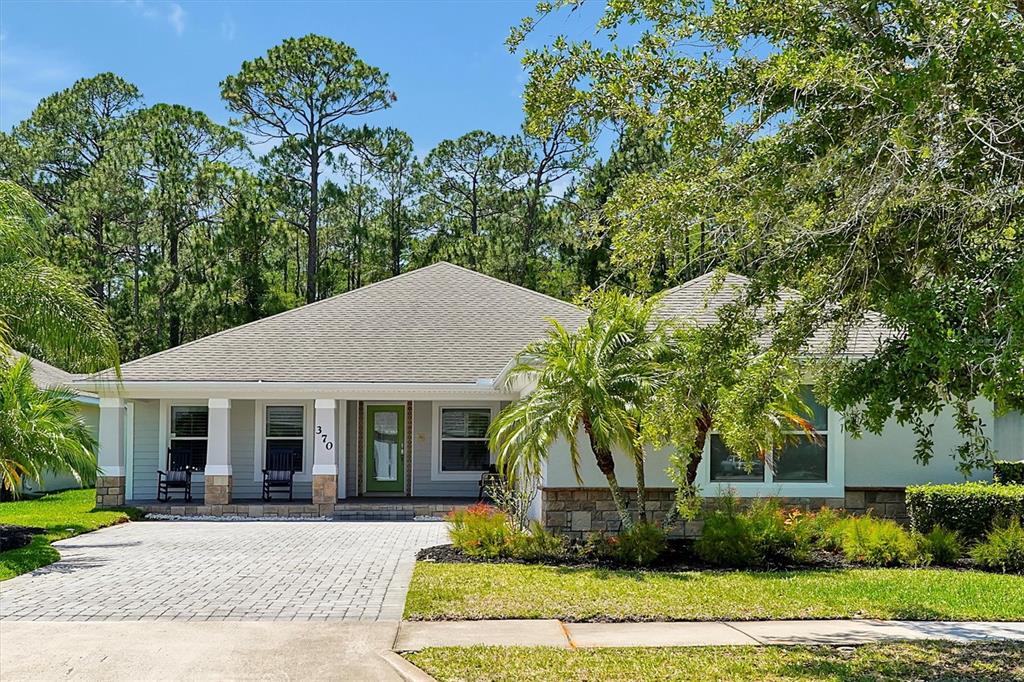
column 385, row 448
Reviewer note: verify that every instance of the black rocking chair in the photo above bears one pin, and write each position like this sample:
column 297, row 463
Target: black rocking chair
column 279, row 474
column 178, row 476
column 489, row 477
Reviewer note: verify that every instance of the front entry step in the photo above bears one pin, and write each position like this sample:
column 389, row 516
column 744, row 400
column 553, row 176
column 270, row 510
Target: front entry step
column 367, row 509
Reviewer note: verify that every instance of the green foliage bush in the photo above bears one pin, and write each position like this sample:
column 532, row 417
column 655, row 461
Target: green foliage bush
column 760, row 536
column 939, row 546
column 970, row 509
column 537, row 544
column 878, row 542
column 1008, row 473
column 641, row 545
column 481, row 531
column 1003, row 548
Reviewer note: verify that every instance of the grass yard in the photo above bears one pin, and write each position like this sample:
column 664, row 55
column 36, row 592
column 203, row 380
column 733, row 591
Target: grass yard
column 889, row 661
column 64, row 515
column 443, row 591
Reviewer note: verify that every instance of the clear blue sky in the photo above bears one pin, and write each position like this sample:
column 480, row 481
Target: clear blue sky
column 447, row 60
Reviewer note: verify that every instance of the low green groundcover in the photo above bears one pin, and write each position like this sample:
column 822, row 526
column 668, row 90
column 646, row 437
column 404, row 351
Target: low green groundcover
column 63, row 515
column 450, row 591
column 889, row 661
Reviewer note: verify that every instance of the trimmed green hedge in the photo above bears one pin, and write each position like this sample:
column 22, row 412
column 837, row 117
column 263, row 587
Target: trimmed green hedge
column 968, row 508
column 1008, row 473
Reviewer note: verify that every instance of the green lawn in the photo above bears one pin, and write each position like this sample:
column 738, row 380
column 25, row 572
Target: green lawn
column 474, row 591
column 64, row 515
column 890, row 661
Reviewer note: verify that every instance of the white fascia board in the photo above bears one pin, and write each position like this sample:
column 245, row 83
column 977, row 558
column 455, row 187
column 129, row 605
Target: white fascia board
column 305, row 390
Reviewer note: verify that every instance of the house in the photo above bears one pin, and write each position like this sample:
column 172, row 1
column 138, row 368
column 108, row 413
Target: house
column 383, row 395
column 48, row 376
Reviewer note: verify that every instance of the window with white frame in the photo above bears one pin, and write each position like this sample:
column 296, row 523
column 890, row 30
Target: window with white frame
column 190, row 430
column 464, row 445
column 284, row 437
column 802, row 459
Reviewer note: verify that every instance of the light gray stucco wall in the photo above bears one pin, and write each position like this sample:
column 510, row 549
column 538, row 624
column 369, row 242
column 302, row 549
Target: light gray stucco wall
column 90, row 414
column 1008, row 438
column 887, row 459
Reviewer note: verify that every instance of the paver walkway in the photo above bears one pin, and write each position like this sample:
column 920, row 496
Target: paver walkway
column 413, row 636
column 224, row 570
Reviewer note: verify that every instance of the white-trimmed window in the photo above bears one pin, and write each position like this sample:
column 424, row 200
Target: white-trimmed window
column 464, row 447
column 803, row 459
column 284, row 437
column 189, row 435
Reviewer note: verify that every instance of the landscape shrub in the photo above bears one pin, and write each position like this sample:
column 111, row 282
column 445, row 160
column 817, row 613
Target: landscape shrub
column 939, row 546
column 537, row 544
column 641, row 545
column 1003, row 548
column 878, row 542
column 481, row 531
column 970, row 509
column 759, row 536
column 1008, row 473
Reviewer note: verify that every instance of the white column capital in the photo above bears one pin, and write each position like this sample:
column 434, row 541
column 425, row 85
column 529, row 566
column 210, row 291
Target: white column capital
column 325, row 404
column 111, row 402
column 219, row 404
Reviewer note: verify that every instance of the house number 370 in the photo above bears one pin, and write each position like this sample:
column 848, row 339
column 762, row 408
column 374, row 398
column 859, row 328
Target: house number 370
column 329, row 445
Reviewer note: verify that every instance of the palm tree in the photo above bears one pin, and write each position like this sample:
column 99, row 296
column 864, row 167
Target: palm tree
column 598, row 378
column 40, row 430
column 44, row 312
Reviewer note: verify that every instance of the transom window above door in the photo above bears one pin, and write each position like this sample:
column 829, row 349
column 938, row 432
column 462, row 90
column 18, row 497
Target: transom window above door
column 464, row 446
column 284, row 436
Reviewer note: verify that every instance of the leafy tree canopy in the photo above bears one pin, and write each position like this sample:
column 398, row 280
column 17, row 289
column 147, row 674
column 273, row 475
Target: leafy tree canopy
column 869, row 154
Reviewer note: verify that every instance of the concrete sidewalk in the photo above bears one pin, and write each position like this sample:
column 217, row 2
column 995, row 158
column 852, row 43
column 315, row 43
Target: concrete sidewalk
column 418, row 635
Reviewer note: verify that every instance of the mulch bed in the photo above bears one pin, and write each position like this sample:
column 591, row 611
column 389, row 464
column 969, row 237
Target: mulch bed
column 13, row 537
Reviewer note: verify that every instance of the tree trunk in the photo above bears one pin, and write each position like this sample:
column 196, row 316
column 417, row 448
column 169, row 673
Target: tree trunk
column 312, row 248
column 641, row 484
column 703, row 425
column 174, row 318
column 606, row 464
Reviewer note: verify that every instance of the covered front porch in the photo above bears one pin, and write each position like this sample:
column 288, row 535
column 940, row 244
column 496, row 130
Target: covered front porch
column 371, row 456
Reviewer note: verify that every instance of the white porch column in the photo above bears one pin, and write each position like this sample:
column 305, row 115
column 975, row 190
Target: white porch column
column 110, row 482
column 218, row 453
column 325, row 467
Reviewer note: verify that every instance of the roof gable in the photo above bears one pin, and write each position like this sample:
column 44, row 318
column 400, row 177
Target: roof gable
column 438, row 324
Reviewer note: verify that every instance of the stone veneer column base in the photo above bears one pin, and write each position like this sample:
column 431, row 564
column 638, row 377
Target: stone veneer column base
column 109, row 491
column 217, row 490
column 325, row 489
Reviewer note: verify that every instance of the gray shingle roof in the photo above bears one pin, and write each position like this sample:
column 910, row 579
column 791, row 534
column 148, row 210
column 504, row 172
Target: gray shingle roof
column 438, row 324
column 696, row 300
column 46, row 375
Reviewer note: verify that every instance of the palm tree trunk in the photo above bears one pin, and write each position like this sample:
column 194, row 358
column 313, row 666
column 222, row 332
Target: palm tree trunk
column 606, row 464
column 703, row 425
column 621, row 503
column 641, row 485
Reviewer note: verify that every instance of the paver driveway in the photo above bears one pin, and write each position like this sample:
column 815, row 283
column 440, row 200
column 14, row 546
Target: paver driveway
column 223, row 570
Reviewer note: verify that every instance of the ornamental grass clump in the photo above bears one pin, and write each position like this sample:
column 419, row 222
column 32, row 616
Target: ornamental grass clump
column 939, row 546
column 1003, row 548
column 481, row 531
column 763, row 535
column 878, row 542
